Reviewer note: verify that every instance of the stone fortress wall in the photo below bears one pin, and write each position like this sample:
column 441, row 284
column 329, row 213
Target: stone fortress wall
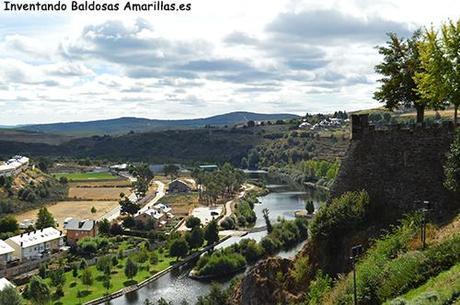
column 398, row 166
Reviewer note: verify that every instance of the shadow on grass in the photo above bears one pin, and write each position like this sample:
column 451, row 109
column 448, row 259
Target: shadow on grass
column 58, row 303
column 129, row 283
column 83, row 293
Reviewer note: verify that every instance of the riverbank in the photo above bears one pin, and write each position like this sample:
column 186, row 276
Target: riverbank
column 154, row 277
column 224, row 262
column 175, row 285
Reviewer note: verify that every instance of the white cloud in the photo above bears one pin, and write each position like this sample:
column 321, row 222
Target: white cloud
column 268, row 56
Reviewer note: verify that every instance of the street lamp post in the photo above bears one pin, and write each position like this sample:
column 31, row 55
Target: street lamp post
column 355, row 252
column 426, row 208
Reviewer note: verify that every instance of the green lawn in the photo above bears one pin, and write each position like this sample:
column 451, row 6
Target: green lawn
column 118, row 281
column 86, row 176
column 438, row 290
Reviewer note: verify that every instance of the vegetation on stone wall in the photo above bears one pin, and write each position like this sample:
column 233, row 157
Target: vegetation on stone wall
column 452, row 165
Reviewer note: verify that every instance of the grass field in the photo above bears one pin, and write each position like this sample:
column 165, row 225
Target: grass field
column 75, row 209
column 98, row 193
column 438, row 290
column 118, row 281
column 86, row 176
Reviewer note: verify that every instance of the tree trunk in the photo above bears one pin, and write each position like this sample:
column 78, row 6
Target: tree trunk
column 455, row 115
column 420, row 113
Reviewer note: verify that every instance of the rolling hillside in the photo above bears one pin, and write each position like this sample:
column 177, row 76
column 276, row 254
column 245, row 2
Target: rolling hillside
column 128, row 124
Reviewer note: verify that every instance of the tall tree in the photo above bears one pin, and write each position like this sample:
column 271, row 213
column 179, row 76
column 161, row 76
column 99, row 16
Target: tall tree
column 401, row 62
column 179, row 248
column 129, row 207
column 143, row 176
column 44, row 219
column 431, row 81
column 440, row 55
column 39, row 291
column 451, row 43
column 211, row 232
column 130, row 269
column 8, row 224
column 195, row 238
column 87, row 277
column 266, row 213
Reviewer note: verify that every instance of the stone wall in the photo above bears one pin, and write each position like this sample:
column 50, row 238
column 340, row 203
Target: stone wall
column 396, row 166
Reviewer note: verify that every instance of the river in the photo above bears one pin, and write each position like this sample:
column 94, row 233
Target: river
column 177, row 286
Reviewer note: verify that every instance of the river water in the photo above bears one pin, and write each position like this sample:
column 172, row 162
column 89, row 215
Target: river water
column 177, row 286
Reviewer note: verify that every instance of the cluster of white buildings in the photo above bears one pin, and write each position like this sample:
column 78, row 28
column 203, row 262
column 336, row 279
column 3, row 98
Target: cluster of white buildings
column 324, row 124
column 159, row 213
column 32, row 245
column 14, row 166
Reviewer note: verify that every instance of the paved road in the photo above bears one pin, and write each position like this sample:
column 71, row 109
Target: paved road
column 160, row 193
column 115, row 213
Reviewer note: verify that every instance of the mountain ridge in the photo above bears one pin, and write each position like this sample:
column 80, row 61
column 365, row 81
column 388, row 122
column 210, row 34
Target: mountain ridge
column 126, row 124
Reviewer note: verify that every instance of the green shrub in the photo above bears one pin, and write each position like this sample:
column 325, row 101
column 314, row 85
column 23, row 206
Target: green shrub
column 220, row 263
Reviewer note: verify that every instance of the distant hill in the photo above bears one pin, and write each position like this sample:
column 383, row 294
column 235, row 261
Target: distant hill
column 127, row 124
column 26, row 136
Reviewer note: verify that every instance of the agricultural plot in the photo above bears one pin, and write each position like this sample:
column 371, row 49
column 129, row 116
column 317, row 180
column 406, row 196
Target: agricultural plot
column 76, row 209
column 98, row 193
column 87, row 176
column 181, row 204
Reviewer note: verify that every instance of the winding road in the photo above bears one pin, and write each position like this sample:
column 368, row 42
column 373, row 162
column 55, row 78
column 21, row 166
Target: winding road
column 115, row 213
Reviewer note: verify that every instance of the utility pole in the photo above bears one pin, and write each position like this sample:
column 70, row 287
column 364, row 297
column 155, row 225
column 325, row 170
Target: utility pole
column 355, row 252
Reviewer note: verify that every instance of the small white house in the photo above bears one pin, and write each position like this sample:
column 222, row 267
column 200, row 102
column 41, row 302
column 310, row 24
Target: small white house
column 14, row 166
column 160, row 207
column 36, row 244
column 6, row 253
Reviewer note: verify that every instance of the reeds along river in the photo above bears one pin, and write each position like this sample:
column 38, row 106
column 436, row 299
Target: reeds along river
column 176, row 286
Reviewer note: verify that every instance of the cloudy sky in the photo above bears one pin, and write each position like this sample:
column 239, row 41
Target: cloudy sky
column 293, row 56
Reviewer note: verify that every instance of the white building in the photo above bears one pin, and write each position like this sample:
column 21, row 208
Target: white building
column 4, row 283
column 6, row 253
column 14, row 166
column 160, row 207
column 36, row 244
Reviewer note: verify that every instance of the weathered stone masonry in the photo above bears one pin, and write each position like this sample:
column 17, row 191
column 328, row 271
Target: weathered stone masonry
column 396, row 166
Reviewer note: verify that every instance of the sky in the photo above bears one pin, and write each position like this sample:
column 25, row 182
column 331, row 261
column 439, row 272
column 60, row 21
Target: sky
column 277, row 56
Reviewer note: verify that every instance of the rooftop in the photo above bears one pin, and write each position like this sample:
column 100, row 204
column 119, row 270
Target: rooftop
column 5, row 248
column 77, row 225
column 35, row 237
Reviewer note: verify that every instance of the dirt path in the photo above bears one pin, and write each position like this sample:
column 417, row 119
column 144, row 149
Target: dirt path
column 229, row 205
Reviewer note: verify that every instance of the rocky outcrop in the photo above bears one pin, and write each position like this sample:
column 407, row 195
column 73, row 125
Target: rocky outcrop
column 267, row 283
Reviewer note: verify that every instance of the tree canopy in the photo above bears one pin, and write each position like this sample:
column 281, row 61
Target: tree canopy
column 401, row 62
column 440, row 59
column 44, row 219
